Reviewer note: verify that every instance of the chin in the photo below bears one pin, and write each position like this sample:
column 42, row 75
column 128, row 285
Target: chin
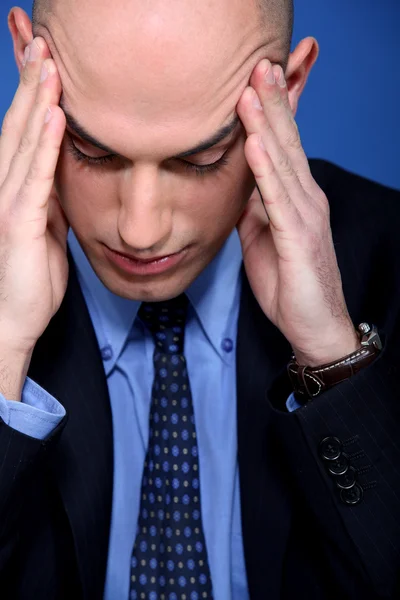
column 154, row 289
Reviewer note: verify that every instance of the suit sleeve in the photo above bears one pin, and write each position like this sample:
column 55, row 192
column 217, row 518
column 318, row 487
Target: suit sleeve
column 27, row 433
column 349, row 462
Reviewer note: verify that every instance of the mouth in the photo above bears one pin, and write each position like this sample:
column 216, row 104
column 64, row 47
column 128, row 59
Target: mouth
column 150, row 266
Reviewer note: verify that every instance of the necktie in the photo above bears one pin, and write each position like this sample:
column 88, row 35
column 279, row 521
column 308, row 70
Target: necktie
column 169, row 560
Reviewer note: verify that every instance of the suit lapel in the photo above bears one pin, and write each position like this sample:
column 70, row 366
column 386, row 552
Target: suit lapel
column 68, row 365
column 262, row 354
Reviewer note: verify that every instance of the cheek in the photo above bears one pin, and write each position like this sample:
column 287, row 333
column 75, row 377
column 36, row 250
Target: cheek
column 219, row 200
column 83, row 195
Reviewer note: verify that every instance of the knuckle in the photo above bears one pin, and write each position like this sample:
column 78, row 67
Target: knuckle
column 323, row 203
column 314, row 244
column 265, row 170
column 275, row 99
column 322, row 197
column 282, row 197
column 28, row 79
column 37, row 174
column 319, row 230
column 18, row 200
column 293, row 141
column 25, row 144
column 284, row 164
column 33, row 175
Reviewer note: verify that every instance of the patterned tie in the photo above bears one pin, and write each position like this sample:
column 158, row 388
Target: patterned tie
column 169, row 560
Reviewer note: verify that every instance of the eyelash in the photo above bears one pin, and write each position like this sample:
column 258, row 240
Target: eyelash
column 90, row 160
column 109, row 158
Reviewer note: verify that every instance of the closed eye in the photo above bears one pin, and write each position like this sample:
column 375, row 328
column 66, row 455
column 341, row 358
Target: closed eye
column 99, row 161
column 80, row 156
column 209, row 168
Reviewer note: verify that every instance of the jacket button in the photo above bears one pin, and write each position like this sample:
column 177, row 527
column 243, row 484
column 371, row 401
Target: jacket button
column 347, row 480
column 339, row 466
column 353, row 495
column 330, row 448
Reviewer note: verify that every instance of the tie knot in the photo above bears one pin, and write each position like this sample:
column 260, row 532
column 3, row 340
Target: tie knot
column 166, row 322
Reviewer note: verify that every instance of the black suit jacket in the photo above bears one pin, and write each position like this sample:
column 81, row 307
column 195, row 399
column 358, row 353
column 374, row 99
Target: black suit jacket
column 301, row 540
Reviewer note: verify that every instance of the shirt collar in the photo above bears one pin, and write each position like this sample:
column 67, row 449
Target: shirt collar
column 112, row 316
column 214, row 295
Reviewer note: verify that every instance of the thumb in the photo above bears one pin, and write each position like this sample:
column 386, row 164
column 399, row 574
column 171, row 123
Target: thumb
column 253, row 220
column 57, row 223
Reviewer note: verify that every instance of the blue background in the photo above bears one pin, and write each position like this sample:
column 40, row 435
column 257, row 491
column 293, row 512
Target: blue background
column 349, row 110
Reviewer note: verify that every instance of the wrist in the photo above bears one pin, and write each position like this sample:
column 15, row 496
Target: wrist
column 330, row 351
column 14, row 365
column 309, row 381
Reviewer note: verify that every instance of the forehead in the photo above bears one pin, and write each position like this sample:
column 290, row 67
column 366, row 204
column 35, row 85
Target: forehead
column 158, row 65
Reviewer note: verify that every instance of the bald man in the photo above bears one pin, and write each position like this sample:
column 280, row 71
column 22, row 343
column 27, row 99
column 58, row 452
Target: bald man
column 195, row 401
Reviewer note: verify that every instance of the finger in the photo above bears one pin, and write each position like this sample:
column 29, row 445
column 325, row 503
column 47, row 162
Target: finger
column 254, row 212
column 17, row 116
column 282, row 87
column 32, row 201
column 282, row 212
column 48, row 93
column 253, row 220
column 279, row 116
column 255, row 122
column 57, row 224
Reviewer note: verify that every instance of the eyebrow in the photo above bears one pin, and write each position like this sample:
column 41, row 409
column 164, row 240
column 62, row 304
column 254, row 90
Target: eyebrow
column 215, row 139
column 80, row 131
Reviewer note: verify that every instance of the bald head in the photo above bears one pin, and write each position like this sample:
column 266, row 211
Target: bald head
column 277, row 15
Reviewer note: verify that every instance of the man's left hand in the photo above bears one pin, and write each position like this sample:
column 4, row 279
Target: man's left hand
column 289, row 255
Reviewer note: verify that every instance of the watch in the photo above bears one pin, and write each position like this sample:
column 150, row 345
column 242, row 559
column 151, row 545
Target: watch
column 310, row 382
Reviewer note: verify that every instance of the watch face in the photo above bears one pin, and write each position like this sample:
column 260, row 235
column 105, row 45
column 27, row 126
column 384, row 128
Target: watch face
column 364, row 328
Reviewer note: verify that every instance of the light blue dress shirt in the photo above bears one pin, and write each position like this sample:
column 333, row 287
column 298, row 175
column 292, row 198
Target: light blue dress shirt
column 127, row 352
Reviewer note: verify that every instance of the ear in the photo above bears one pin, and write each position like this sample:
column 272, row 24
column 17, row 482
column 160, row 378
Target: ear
column 20, row 27
column 300, row 63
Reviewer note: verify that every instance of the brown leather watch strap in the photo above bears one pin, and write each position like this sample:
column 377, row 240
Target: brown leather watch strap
column 310, row 382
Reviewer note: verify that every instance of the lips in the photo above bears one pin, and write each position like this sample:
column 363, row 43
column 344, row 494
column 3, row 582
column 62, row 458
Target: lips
column 137, row 266
column 144, row 261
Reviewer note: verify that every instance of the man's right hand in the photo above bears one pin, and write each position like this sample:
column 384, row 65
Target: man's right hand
column 33, row 228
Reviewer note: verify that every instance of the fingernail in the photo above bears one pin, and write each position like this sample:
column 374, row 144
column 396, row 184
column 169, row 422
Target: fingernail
column 34, row 51
column 261, row 144
column 48, row 116
column 256, row 102
column 281, row 79
column 269, row 76
column 26, row 56
column 44, row 74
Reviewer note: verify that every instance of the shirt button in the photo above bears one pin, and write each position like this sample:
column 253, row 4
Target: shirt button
column 227, row 345
column 106, row 353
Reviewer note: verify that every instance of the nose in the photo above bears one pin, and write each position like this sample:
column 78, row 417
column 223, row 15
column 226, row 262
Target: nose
column 145, row 217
